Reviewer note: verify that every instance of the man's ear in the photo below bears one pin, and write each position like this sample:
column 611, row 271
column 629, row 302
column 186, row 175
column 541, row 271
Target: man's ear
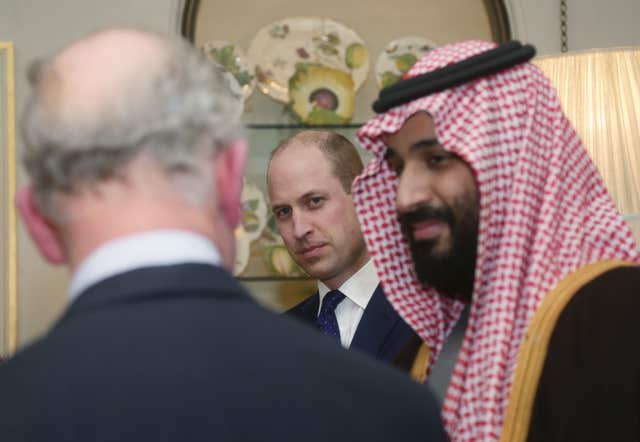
column 230, row 164
column 43, row 234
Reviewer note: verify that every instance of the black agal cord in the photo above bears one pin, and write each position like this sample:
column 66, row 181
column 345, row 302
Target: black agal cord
column 483, row 64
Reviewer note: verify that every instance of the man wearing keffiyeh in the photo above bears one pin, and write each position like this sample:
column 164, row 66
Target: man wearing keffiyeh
column 480, row 192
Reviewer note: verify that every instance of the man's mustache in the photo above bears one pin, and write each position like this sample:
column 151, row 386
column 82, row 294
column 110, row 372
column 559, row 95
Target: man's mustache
column 423, row 213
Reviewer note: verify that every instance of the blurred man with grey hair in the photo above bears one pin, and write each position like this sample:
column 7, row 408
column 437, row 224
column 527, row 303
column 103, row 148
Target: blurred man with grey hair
column 135, row 158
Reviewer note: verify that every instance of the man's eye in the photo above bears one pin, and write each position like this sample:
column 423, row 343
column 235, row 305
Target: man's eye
column 282, row 212
column 438, row 159
column 395, row 164
column 315, row 201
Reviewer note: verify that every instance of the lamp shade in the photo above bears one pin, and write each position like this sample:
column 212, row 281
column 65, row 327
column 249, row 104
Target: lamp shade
column 600, row 93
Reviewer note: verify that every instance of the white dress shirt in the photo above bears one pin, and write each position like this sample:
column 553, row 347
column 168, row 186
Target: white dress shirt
column 149, row 249
column 358, row 291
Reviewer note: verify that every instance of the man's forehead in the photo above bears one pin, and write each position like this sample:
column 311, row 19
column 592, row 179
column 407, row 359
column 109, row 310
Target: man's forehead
column 296, row 148
column 419, row 128
column 298, row 170
column 296, row 158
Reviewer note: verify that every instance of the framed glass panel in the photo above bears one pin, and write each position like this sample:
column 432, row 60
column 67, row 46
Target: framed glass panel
column 8, row 271
column 371, row 42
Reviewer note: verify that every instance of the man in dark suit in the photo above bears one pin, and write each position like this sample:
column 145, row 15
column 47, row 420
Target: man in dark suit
column 309, row 180
column 135, row 160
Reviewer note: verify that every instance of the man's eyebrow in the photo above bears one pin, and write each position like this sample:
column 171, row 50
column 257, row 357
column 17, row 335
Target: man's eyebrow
column 275, row 207
column 420, row 144
column 426, row 143
column 311, row 193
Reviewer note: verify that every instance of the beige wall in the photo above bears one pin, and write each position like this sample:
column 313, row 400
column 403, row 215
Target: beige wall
column 7, row 246
column 40, row 27
column 591, row 23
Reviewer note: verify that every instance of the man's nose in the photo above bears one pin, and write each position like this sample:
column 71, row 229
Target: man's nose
column 301, row 225
column 414, row 189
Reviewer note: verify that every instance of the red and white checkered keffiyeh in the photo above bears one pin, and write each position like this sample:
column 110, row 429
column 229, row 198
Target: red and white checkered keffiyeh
column 544, row 212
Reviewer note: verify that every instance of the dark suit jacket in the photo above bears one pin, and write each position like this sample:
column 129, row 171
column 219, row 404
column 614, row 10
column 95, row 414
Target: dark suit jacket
column 381, row 332
column 181, row 353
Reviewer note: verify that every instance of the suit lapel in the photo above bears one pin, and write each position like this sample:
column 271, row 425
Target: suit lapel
column 377, row 323
column 307, row 310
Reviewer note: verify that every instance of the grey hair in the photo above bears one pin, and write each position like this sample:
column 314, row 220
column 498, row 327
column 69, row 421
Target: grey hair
column 187, row 110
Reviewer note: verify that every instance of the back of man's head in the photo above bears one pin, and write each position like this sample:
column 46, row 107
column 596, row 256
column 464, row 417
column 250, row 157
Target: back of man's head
column 126, row 114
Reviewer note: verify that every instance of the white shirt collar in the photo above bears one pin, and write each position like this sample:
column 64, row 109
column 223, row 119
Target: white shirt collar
column 154, row 248
column 359, row 288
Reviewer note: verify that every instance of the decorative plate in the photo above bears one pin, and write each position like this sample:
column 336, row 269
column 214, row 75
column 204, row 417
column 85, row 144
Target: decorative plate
column 280, row 261
column 321, row 95
column 277, row 48
column 254, row 220
column 276, row 256
column 235, row 62
column 243, row 251
column 398, row 57
column 254, row 210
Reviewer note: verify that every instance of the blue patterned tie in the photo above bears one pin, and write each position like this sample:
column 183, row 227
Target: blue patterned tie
column 327, row 322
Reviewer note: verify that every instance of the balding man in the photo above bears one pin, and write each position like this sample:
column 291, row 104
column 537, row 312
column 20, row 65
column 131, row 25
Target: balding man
column 135, row 159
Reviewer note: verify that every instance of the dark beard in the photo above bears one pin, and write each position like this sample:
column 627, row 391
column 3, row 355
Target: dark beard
column 451, row 272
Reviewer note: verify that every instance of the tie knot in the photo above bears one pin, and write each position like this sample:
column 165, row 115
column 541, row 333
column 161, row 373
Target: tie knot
column 331, row 301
